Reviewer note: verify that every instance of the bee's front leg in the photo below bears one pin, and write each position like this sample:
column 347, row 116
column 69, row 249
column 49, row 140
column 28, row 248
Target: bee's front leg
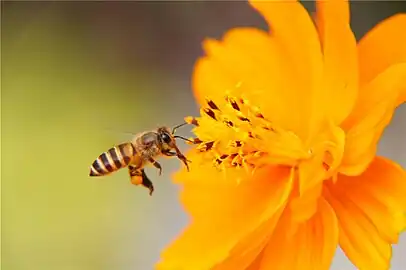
column 179, row 155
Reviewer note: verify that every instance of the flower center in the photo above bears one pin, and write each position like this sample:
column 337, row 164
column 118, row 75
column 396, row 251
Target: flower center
column 233, row 133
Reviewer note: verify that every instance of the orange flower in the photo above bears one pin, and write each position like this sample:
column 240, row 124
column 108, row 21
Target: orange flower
column 290, row 120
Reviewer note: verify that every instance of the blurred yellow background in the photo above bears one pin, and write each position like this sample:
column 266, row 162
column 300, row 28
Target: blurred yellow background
column 75, row 77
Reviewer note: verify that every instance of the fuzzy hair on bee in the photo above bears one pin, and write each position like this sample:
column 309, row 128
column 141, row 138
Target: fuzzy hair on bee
column 142, row 150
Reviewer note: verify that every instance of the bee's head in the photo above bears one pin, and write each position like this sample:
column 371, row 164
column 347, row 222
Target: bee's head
column 166, row 138
column 167, row 141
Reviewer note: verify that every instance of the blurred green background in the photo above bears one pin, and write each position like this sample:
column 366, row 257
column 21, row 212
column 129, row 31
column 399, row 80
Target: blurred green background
column 75, row 77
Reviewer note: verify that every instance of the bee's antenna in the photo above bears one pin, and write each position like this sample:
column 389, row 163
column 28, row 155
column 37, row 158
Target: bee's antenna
column 178, row 126
column 183, row 138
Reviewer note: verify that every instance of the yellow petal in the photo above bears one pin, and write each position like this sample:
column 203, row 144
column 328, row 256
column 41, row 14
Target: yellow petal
column 250, row 63
column 215, row 205
column 372, row 113
column 340, row 57
column 293, row 30
column 313, row 244
column 370, row 209
column 383, row 46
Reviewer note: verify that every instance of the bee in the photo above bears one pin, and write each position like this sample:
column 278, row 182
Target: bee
column 142, row 150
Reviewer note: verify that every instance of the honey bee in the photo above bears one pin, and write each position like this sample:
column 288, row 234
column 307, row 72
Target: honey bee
column 142, row 150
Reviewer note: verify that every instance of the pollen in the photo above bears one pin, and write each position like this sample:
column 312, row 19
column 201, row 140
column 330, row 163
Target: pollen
column 233, row 133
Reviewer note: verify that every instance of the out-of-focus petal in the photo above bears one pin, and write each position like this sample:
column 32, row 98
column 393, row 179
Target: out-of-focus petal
column 372, row 113
column 215, row 204
column 245, row 254
column 381, row 47
column 313, row 243
column 292, row 28
column 250, row 63
column 340, row 58
column 370, row 209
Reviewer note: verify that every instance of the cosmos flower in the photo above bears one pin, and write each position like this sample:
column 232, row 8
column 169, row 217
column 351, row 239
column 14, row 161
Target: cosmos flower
column 285, row 168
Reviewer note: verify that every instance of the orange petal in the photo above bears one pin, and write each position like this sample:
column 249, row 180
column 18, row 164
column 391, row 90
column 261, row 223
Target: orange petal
column 372, row 113
column 250, row 63
column 382, row 47
column 293, row 30
column 249, row 249
column 340, row 57
column 370, row 209
column 313, row 244
column 215, row 204
column 330, row 143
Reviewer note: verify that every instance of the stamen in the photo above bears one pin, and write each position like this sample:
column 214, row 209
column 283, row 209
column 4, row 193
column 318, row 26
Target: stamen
column 206, row 146
column 240, row 126
column 244, row 119
column 192, row 121
column 212, row 104
column 197, row 141
column 210, row 113
column 236, row 143
column 233, row 103
column 228, row 123
column 193, row 141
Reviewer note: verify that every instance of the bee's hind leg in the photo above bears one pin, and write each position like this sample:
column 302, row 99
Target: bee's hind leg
column 138, row 177
column 147, row 183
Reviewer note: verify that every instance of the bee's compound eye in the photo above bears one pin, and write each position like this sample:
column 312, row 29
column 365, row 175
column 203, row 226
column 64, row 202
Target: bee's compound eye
column 166, row 138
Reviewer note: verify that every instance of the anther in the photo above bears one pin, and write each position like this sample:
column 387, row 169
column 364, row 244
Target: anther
column 191, row 120
column 228, row 123
column 209, row 145
column 233, row 103
column 197, row 141
column 210, row 113
column 236, row 143
column 212, row 104
column 244, row 119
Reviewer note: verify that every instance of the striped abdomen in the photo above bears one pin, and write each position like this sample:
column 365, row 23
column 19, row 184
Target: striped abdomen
column 115, row 158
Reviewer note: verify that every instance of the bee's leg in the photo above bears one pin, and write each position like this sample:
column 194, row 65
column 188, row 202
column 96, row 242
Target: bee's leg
column 182, row 157
column 138, row 177
column 147, row 183
column 156, row 165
